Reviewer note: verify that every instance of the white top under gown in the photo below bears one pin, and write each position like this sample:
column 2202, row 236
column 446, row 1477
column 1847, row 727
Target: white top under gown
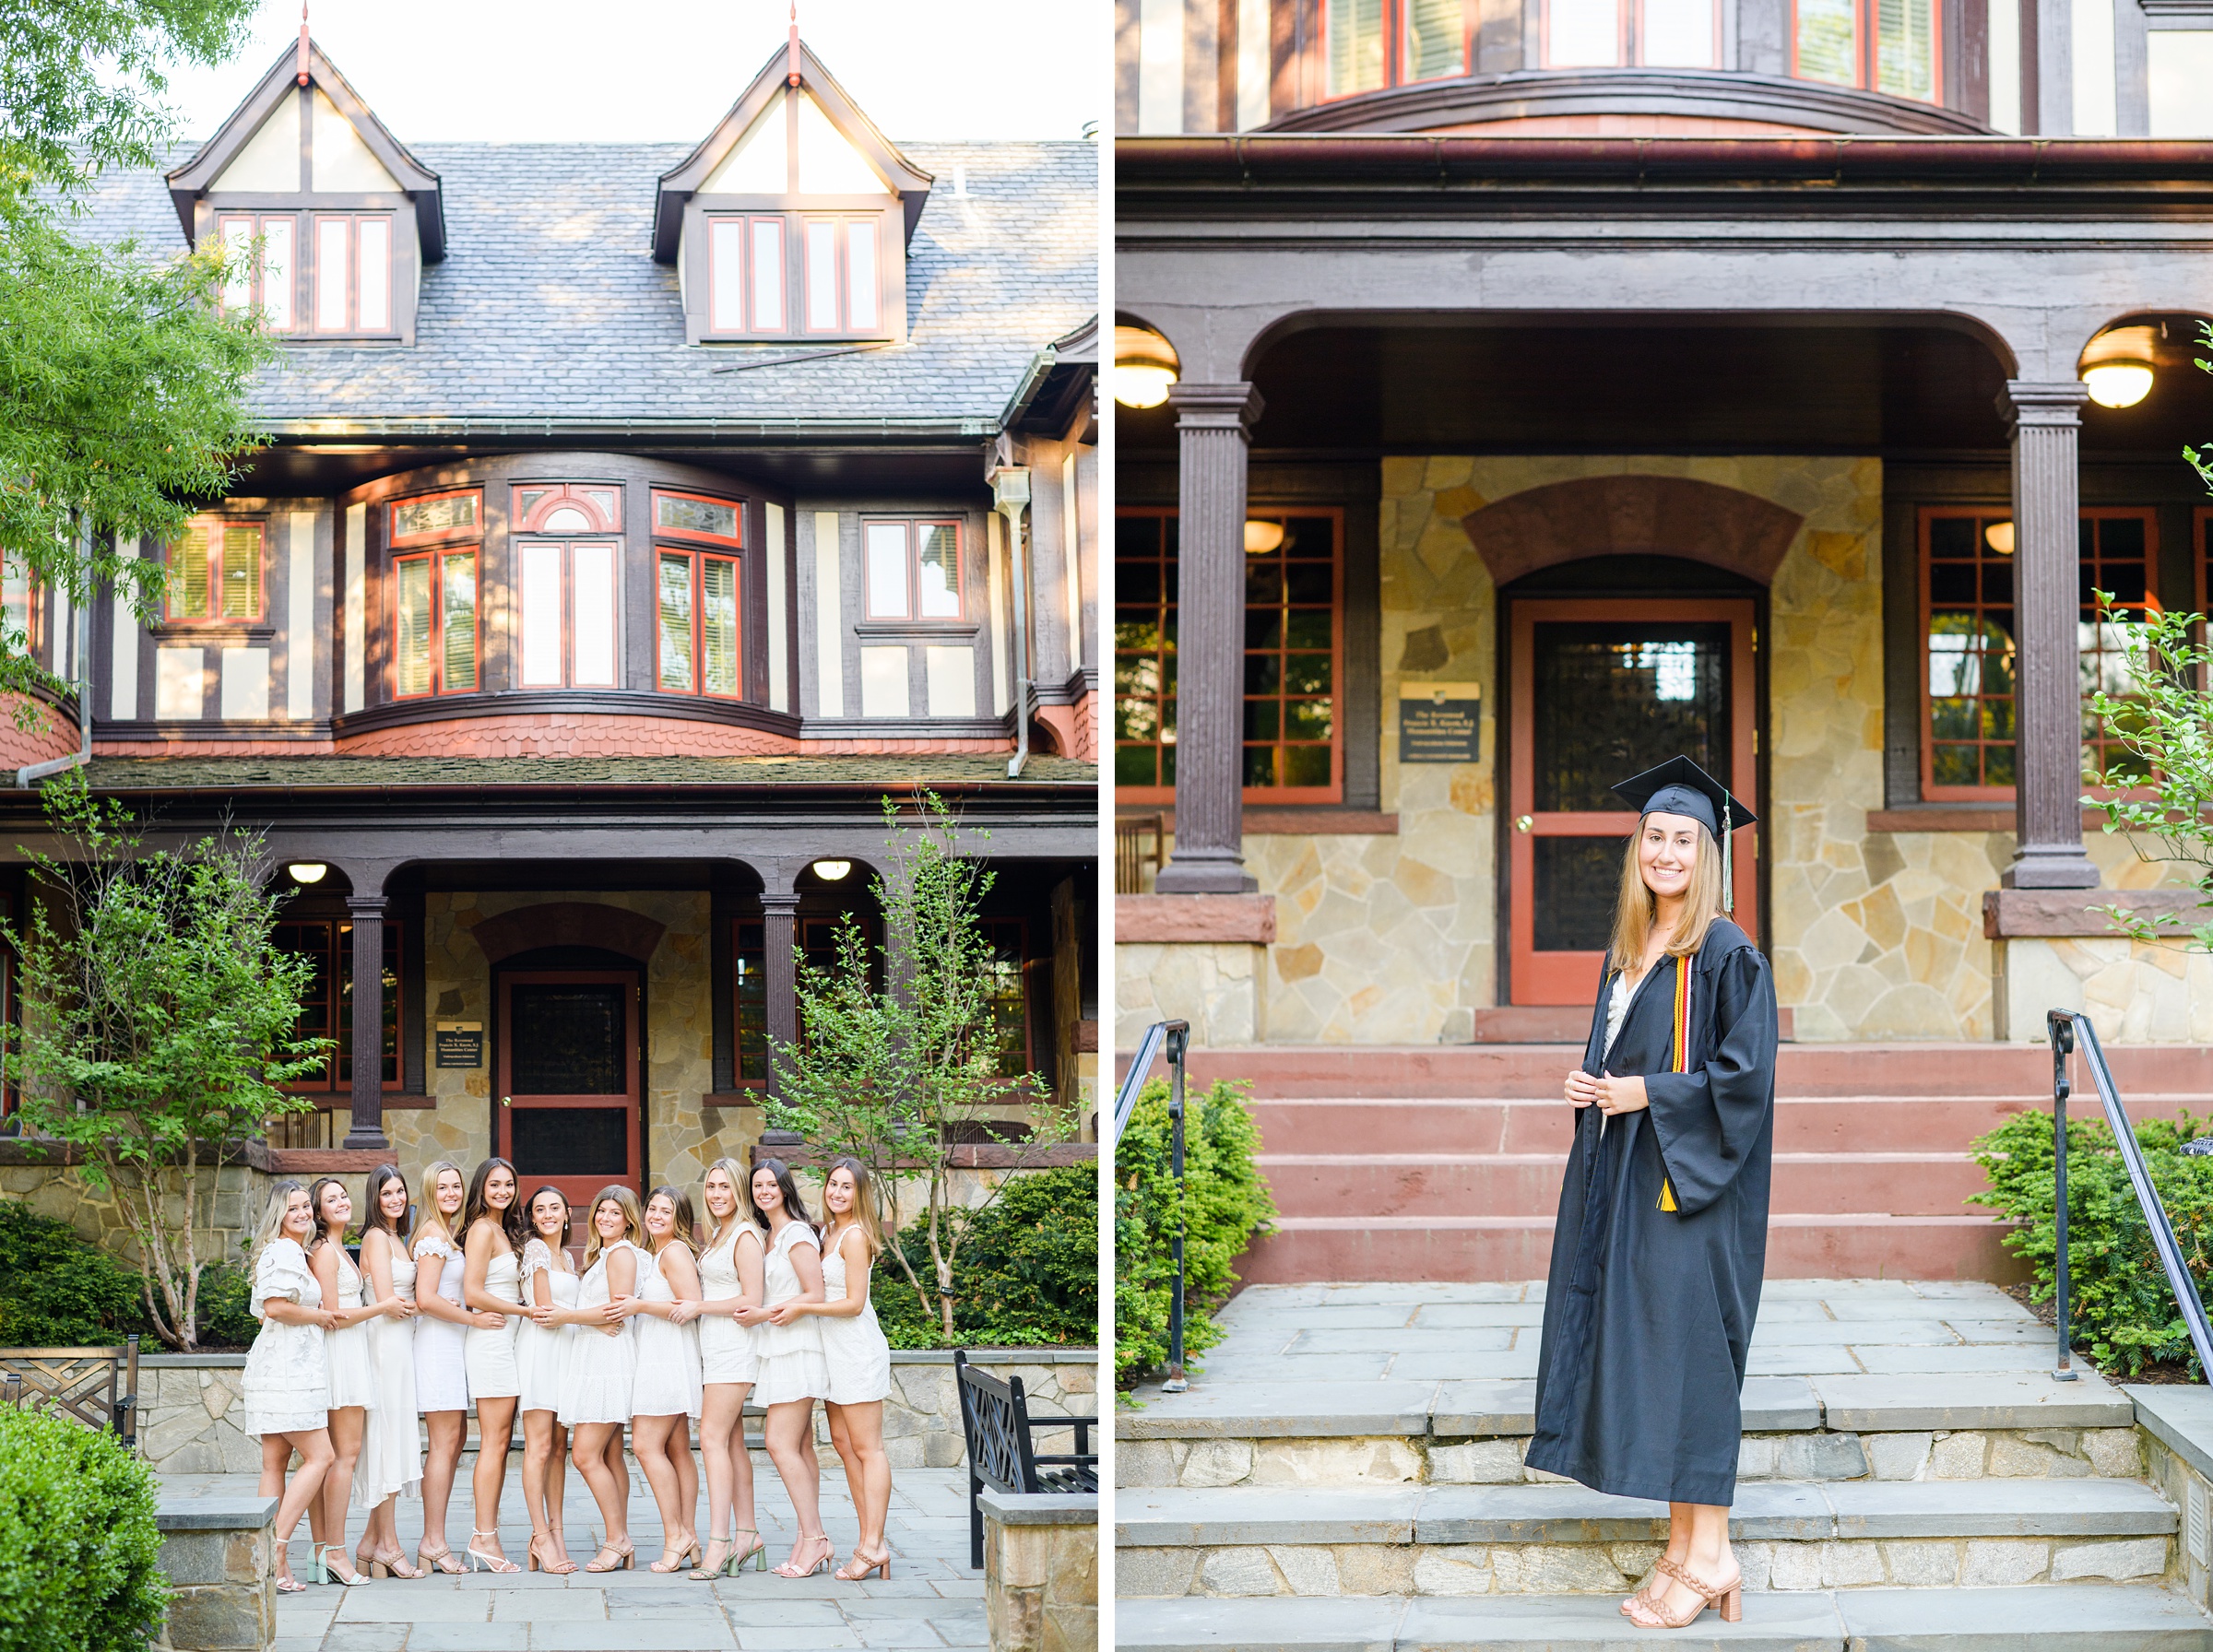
column 441, row 1370
column 492, row 1372
column 601, row 1368
column 287, row 1382
column 542, row 1351
column 667, row 1379
column 726, row 1347
column 346, row 1350
column 855, row 1349
column 390, row 1459
column 790, row 1356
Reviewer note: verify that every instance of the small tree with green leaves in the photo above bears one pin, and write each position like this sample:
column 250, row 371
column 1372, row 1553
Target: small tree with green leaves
column 899, row 1061
column 160, row 1022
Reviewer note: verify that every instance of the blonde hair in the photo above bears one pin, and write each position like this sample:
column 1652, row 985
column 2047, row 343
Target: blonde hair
column 431, row 1215
column 865, row 1214
column 1638, row 908
column 633, row 1220
column 737, row 1220
column 272, row 1219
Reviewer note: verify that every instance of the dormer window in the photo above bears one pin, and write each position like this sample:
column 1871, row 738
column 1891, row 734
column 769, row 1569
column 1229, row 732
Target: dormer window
column 353, row 272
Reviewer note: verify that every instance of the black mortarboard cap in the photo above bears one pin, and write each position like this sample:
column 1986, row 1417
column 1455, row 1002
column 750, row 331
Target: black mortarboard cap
column 1679, row 786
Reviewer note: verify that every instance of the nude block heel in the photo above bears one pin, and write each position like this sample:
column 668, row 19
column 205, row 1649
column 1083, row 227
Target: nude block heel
column 1733, row 1605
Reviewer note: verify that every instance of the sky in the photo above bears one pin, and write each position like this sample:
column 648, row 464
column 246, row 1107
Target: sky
column 644, row 71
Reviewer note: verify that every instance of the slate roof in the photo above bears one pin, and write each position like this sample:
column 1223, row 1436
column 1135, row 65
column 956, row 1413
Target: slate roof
column 249, row 774
column 548, row 309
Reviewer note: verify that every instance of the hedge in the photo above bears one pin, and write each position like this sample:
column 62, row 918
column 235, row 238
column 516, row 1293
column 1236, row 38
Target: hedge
column 1027, row 1271
column 78, row 1547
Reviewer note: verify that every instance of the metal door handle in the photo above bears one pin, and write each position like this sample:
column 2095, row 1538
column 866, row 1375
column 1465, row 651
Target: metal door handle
column 1524, row 822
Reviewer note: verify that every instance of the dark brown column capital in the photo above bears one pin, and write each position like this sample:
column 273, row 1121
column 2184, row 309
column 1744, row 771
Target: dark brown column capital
column 779, row 935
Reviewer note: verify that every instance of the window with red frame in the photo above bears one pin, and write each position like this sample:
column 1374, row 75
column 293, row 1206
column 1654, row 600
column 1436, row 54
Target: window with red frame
column 749, row 978
column 781, row 274
column 431, row 518
column 1968, row 609
column 326, row 1006
column 352, row 273
column 1654, row 34
column 215, row 571
column 912, row 570
column 1369, row 44
column 1010, row 996
column 1890, row 46
column 259, row 278
column 697, row 592
column 436, row 637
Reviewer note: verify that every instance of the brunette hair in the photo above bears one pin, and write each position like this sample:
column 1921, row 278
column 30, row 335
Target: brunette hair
column 431, row 1212
column 1637, row 908
column 511, row 1220
column 794, row 1206
column 272, row 1219
column 314, row 1208
column 530, row 1210
column 633, row 1223
column 866, row 1216
column 378, row 1179
column 687, row 1224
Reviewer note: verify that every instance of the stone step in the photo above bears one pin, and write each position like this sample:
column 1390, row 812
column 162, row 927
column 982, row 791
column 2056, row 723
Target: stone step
column 1443, row 1183
column 2043, row 1618
column 1561, row 1537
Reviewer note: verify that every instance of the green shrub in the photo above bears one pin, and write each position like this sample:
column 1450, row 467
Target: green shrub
column 77, row 1543
column 1027, row 1273
column 2120, row 1307
column 1226, row 1205
column 58, row 1291
column 226, row 1314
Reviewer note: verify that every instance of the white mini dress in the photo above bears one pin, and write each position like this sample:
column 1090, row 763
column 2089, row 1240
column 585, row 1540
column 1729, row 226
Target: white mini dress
column 601, row 1368
column 542, row 1351
column 346, row 1350
column 440, row 1365
column 667, row 1379
column 726, row 1347
column 855, row 1349
column 286, row 1380
column 490, row 1354
column 390, row 1459
column 790, row 1356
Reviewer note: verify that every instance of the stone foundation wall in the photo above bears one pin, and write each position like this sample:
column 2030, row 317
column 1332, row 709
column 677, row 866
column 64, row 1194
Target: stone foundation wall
column 217, row 1553
column 230, row 1200
column 1041, row 1572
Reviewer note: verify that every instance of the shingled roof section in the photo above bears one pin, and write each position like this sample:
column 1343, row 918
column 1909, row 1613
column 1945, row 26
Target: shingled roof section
column 549, row 307
column 250, row 774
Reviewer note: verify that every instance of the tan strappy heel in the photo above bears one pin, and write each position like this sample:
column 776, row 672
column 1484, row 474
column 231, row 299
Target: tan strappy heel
column 1727, row 1596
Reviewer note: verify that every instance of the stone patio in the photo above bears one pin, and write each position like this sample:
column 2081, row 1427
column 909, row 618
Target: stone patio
column 933, row 1599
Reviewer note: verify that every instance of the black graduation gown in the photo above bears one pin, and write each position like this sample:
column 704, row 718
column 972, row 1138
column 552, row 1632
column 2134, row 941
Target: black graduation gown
column 1648, row 1312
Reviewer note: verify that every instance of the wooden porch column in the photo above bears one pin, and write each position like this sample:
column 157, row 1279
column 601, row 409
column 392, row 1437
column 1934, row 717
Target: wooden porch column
column 779, row 935
column 367, row 1130
column 2048, row 853
column 1212, row 425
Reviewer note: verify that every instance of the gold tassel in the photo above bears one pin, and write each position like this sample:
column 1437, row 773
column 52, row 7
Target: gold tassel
column 1667, row 1195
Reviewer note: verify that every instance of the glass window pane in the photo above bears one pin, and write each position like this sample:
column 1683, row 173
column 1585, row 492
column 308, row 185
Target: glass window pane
column 411, row 645
column 241, row 570
column 331, row 271
column 1355, row 46
column 676, row 623
column 1678, row 34
column 276, row 273
column 822, row 276
column 1905, row 48
column 541, row 592
column 372, row 248
column 750, row 966
column 941, row 569
column 188, row 577
column 238, row 276
column 1582, row 34
column 887, row 569
column 683, row 516
column 768, row 275
column 718, row 624
column 15, row 604
column 1828, row 42
column 726, row 274
column 860, row 274
column 459, row 619
column 446, row 513
column 593, row 615
column 1434, row 38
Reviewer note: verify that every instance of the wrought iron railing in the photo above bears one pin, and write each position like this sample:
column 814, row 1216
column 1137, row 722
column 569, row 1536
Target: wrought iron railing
column 2070, row 1032
column 1176, row 1038
column 303, row 1129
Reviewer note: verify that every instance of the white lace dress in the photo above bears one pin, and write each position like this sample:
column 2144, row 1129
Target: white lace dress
column 726, row 1347
column 601, row 1368
column 441, row 1368
column 287, row 1382
column 855, row 1349
column 667, row 1380
column 790, row 1356
column 542, row 1351
column 390, row 1459
column 346, row 1350
column 490, row 1354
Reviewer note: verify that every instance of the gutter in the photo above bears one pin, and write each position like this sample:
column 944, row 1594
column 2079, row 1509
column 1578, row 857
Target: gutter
column 1010, row 495
column 1033, row 381
column 30, row 775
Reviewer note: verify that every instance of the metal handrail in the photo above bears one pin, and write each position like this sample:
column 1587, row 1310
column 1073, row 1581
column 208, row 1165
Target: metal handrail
column 1148, row 1051
column 2068, row 1031
column 1177, row 1037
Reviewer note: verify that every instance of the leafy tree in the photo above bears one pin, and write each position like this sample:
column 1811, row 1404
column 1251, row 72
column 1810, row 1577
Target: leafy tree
column 158, row 1022
column 899, row 1067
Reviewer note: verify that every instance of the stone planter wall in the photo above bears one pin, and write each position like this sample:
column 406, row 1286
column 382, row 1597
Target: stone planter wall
column 189, row 1406
column 217, row 1553
column 232, row 1198
column 1041, row 1572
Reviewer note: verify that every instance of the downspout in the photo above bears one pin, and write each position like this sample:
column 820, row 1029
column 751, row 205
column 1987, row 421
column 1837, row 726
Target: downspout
column 1011, row 494
column 30, row 775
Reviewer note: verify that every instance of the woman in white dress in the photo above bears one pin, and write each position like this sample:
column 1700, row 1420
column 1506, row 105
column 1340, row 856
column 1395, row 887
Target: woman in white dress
column 391, row 1463
column 665, row 1397
column 729, row 1281
column 492, row 1283
column 441, row 1364
column 346, row 1357
column 541, row 1348
column 287, row 1386
column 859, row 1358
column 603, row 1363
column 791, row 1374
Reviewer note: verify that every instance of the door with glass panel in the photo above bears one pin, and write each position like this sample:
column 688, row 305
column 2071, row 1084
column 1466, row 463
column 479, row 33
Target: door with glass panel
column 568, row 1080
column 1602, row 691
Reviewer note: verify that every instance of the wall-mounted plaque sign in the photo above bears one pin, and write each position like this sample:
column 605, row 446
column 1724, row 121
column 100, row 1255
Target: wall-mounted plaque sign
column 1440, row 723
column 460, row 1043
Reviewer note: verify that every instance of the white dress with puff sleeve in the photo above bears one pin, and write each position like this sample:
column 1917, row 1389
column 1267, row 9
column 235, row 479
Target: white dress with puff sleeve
column 286, row 1382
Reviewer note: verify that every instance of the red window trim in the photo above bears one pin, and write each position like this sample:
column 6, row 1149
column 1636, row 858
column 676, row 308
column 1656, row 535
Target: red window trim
column 435, row 555
column 256, row 227
column 1022, row 963
column 568, row 544
column 1866, row 70
column 395, row 540
column 353, row 328
column 748, row 275
column 735, row 541
column 698, row 557
column 914, row 614
column 1394, row 51
column 342, row 957
column 1630, row 37
column 204, row 529
column 738, row 925
column 577, row 496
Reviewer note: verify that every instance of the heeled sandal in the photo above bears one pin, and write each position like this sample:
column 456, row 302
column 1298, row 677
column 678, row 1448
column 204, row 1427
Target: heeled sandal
column 625, row 1558
column 869, row 1563
column 1728, row 1597
column 533, row 1560
column 380, row 1565
column 440, row 1560
column 704, row 1572
column 791, row 1569
column 327, row 1572
column 288, row 1584
column 498, row 1564
column 1642, row 1595
column 757, row 1552
column 686, row 1552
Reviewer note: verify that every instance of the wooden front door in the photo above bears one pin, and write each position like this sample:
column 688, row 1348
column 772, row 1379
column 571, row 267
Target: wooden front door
column 568, row 1079
column 1602, row 690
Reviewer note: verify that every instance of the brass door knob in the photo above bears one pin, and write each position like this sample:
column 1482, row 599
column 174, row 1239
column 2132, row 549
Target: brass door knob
column 1524, row 822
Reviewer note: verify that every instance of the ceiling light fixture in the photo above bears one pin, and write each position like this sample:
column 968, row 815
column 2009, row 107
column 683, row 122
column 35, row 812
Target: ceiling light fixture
column 1998, row 535
column 307, row 871
column 2117, row 366
column 831, row 871
column 1261, row 537
column 1145, row 366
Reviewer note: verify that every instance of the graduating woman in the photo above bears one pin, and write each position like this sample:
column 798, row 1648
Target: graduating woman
column 1661, row 1235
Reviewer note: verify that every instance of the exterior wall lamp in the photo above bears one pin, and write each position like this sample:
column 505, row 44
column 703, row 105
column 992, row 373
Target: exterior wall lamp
column 1145, row 366
column 2117, row 366
column 1261, row 537
column 307, row 871
column 1998, row 535
column 832, row 872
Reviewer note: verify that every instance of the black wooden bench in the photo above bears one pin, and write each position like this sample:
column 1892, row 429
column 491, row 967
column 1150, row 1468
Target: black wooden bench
column 996, row 1421
column 97, row 1386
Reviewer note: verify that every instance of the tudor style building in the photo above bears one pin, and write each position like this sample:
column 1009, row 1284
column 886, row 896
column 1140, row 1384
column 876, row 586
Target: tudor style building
column 635, row 522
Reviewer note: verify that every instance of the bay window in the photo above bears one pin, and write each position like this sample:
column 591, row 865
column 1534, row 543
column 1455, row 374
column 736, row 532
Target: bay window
column 1654, row 34
column 1880, row 45
column 565, row 600
column 913, row 570
column 1369, row 44
column 435, row 645
column 697, row 590
column 215, row 571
